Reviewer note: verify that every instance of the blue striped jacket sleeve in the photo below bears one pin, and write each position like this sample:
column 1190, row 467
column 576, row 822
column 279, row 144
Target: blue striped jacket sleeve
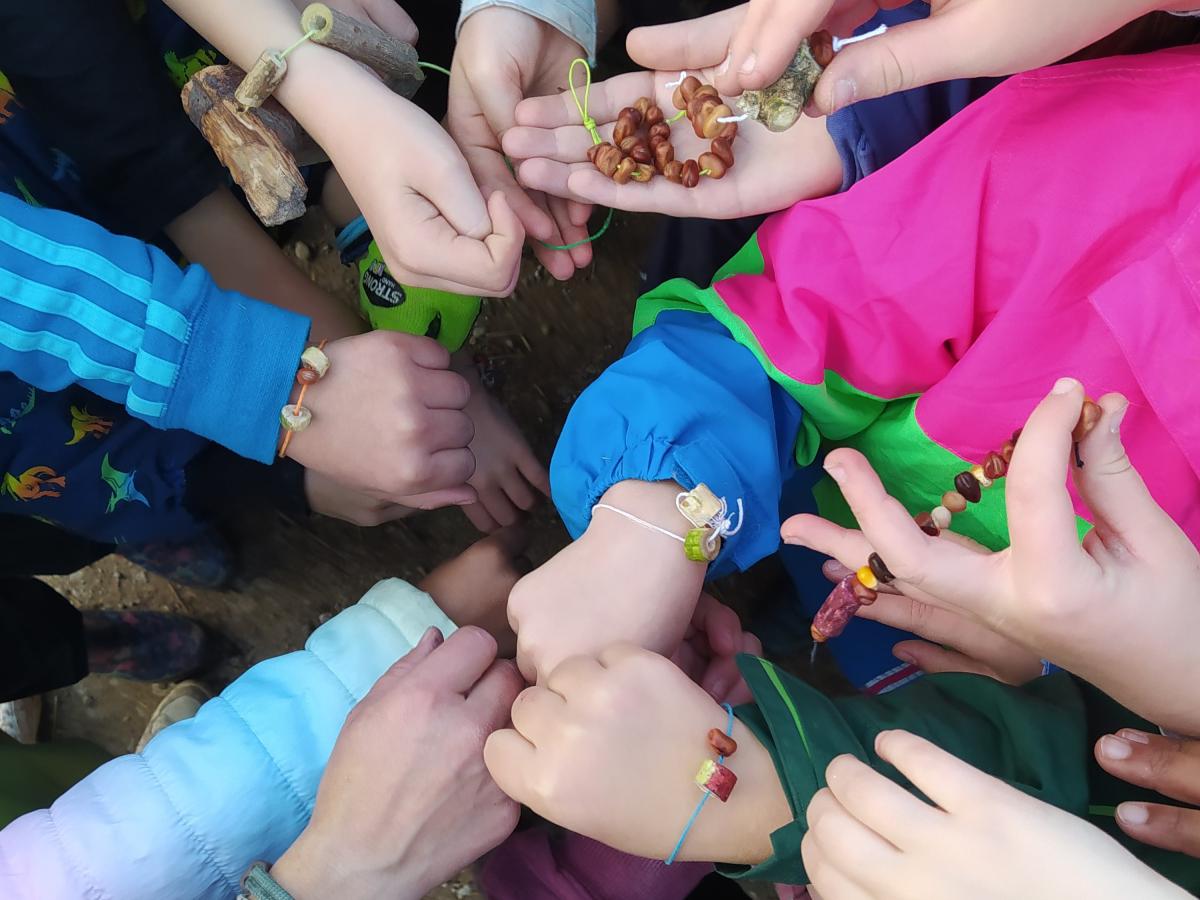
column 79, row 305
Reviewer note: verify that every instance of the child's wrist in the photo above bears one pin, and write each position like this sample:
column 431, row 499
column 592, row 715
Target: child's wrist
column 653, row 501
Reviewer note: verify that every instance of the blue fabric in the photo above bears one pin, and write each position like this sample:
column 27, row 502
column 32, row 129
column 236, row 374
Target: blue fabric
column 79, row 305
column 871, row 133
column 685, row 403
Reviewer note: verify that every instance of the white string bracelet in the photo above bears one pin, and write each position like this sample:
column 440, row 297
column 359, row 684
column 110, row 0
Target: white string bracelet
column 682, row 79
column 839, row 43
column 632, row 518
column 741, row 118
column 721, row 524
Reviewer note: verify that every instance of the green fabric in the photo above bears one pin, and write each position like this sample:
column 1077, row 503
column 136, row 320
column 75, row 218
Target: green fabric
column 1037, row 738
column 32, row 776
column 387, row 304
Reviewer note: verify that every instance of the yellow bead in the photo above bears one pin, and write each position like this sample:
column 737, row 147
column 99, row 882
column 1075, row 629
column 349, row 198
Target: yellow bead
column 981, row 476
column 867, row 578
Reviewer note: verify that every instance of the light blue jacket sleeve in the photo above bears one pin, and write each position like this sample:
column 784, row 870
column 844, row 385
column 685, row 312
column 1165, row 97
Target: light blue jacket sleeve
column 79, row 305
column 685, row 403
column 211, row 795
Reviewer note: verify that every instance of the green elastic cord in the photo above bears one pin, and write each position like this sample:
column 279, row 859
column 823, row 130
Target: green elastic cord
column 434, row 66
column 307, row 37
column 675, row 118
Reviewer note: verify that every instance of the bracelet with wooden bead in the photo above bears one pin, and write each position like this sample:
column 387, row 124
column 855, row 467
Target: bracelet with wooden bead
column 294, row 417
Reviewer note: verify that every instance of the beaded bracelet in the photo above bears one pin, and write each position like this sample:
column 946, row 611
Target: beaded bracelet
column 859, row 589
column 294, row 417
column 714, row 779
column 708, row 514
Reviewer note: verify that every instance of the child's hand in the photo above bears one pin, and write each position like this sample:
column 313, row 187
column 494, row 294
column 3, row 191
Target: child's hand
column 387, row 15
column 981, row 838
column 708, row 654
column 388, row 420
column 770, row 172
column 508, row 478
column 609, row 748
column 502, row 56
column 1170, row 766
column 332, row 498
column 619, row 582
column 1106, row 610
column 473, row 588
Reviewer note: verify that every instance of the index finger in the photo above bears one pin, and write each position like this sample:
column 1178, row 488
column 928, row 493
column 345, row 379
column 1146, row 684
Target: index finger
column 492, row 696
column 459, row 662
column 605, row 100
column 691, row 44
column 942, row 777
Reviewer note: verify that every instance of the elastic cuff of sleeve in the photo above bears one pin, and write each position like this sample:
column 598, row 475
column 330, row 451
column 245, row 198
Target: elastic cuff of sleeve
column 237, row 372
column 574, row 18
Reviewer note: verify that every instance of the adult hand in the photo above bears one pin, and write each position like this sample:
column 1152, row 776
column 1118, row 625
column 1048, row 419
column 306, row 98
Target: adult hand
column 1168, row 765
column 387, row 15
column 980, row 838
column 1100, row 610
column 953, row 642
column 502, row 56
column 771, row 172
column 405, row 801
column 711, row 644
column 609, row 748
column 388, row 420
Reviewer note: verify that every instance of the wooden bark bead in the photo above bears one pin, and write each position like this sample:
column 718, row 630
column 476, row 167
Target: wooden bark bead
column 1006, row 453
column 712, row 165
column 879, row 567
column 643, row 173
column 863, row 594
column 1088, row 417
column 606, row 158
column 967, row 485
column 625, row 171
column 723, row 148
column 722, row 744
column 661, row 130
column 684, row 92
column 673, row 171
column 663, row 154
column 981, row 476
column 994, row 466
column 941, row 517
column 820, row 45
column 926, row 524
column 307, row 376
column 690, row 176
column 954, row 501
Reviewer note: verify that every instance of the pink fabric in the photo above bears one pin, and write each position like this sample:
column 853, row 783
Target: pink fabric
column 538, row 865
column 1052, row 228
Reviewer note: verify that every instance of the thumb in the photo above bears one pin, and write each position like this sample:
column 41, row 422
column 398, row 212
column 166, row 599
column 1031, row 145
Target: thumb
column 766, row 42
column 906, row 56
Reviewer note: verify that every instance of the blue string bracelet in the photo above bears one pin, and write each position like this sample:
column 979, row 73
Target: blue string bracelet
column 705, row 778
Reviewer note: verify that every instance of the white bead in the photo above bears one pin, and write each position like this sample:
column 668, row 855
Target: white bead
column 941, row 517
column 293, row 419
column 314, row 358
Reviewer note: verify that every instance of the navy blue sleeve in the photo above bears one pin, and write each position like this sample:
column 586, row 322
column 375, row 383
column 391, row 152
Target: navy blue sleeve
column 871, row 133
column 685, row 403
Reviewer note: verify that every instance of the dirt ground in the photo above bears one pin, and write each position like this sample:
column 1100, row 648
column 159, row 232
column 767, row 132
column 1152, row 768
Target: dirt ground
column 549, row 341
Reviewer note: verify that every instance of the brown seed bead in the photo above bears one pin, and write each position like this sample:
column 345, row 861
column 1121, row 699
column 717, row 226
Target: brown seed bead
column 712, row 127
column 606, row 158
column 723, row 147
column 968, row 485
column 662, row 129
column 712, row 165
column 926, row 524
column 821, row 46
column 1016, row 435
column 862, row 593
column 307, row 376
column 625, row 171
column 721, row 743
column 653, row 116
column 728, row 132
column 994, row 466
column 628, row 121
column 707, row 90
column 684, row 92
column 1088, row 417
column 1006, row 451
column 634, row 146
column 663, row 154
column 643, row 173
column 642, row 105
column 954, row 501
column 690, row 176
column 879, row 567
column 673, row 171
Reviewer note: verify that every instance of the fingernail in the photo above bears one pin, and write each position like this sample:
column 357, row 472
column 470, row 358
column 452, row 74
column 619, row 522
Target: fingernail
column 1133, row 813
column 1132, row 734
column 1114, row 748
column 431, row 638
column 465, row 502
column 1114, row 423
column 724, row 66
column 845, row 92
column 837, row 473
column 1064, row 386
column 905, row 656
column 748, row 64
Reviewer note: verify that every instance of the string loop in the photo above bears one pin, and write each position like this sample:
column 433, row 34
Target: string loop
column 588, row 122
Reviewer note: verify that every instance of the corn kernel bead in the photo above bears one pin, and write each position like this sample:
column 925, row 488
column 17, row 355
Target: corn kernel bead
column 880, row 569
column 926, row 524
column 1006, row 451
column 967, row 485
column 981, row 476
column 867, row 578
column 941, row 517
column 954, row 501
column 994, row 466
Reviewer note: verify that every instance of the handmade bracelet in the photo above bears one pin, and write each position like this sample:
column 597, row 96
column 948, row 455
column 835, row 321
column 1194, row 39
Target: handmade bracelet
column 294, row 417
column 859, row 589
column 714, row 779
column 708, row 514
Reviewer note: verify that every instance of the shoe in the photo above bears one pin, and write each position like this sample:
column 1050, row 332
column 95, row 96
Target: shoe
column 204, row 562
column 19, row 719
column 142, row 645
column 182, row 702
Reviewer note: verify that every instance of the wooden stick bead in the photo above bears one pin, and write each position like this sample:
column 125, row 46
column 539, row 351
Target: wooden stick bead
column 712, row 165
column 879, row 568
column 967, row 485
column 624, row 171
column 926, row 524
column 673, row 172
column 605, row 157
column 261, row 81
column 690, row 176
column 954, row 501
column 370, row 45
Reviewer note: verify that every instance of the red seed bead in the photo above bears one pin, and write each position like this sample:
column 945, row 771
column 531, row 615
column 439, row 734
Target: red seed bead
column 307, row 376
column 926, row 524
column 968, row 485
column 994, row 466
column 721, row 743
